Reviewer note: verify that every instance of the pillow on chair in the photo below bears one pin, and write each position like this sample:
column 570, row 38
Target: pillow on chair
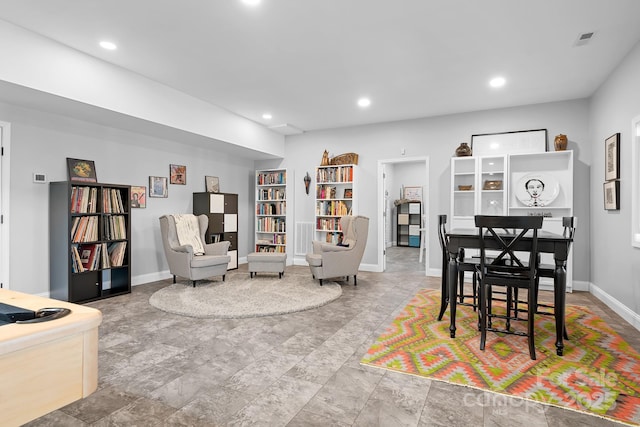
column 188, row 231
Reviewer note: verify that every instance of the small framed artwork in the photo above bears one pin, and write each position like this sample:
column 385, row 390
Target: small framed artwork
column 348, row 193
column 413, row 193
column 612, row 157
column 178, row 174
column 138, row 196
column 158, row 186
column 81, row 170
column 212, row 184
column 611, row 195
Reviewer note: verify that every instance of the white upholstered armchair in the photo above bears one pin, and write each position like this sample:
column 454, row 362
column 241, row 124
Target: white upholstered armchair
column 328, row 260
column 187, row 253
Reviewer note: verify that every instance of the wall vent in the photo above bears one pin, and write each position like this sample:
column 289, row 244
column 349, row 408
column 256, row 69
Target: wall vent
column 304, row 237
column 584, row 38
column 39, row 178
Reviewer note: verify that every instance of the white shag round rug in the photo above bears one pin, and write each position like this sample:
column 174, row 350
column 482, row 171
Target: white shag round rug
column 240, row 296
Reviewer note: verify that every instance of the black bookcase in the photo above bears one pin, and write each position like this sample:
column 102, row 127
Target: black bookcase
column 89, row 241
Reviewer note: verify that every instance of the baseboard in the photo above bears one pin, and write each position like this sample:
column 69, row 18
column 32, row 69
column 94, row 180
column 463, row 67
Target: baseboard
column 141, row 279
column 434, row 272
column 582, row 286
column 621, row 310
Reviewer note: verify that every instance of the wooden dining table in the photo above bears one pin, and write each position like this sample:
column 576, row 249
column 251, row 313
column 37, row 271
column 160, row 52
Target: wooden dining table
column 548, row 242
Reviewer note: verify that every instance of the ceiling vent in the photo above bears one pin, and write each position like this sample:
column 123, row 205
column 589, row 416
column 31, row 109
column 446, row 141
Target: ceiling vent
column 584, row 38
column 286, row 129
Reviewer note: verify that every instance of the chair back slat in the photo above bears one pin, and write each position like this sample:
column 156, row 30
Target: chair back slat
column 442, row 231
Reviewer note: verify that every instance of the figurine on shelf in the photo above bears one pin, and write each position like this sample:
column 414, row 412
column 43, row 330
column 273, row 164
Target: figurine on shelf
column 560, row 142
column 325, row 158
column 463, row 150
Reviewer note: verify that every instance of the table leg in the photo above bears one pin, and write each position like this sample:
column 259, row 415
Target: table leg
column 453, row 294
column 560, row 287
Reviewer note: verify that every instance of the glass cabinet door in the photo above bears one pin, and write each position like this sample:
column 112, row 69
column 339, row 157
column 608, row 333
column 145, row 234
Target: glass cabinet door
column 491, row 183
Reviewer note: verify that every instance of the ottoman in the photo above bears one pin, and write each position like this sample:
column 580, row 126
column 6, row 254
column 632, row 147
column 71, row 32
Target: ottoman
column 266, row 262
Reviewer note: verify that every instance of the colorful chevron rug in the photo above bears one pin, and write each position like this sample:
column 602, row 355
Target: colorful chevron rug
column 598, row 374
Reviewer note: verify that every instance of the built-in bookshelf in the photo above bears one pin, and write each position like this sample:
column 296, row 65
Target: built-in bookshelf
column 90, row 240
column 336, row 196
column 271, row 210
column 497, row 185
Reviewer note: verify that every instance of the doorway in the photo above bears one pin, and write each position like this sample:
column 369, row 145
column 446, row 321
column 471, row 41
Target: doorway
column 5, row 134
column 389, row 190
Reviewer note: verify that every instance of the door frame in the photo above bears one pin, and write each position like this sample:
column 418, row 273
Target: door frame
column 5, row 143
column 381, row 199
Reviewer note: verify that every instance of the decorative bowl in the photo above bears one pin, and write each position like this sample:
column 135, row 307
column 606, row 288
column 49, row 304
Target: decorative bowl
column 465, row 187
column 492, row 185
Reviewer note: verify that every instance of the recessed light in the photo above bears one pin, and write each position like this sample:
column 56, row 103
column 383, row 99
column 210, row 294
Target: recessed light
column 108, row 45
column 251, row 2
column 497, row 82
column 364, row 102
column 267, row 116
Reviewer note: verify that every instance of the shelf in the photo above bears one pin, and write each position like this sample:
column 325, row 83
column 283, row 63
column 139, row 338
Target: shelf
column 271, row 210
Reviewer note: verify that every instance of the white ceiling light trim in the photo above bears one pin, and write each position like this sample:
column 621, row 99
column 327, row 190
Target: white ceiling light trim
column 364, row 102
column 497, row 82
column 105, row 44
column 251, row 2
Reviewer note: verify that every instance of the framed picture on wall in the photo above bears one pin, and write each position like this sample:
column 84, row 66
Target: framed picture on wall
column 413, row 193
column 81, row 170
column 611, row 195
column 517, row 142
column 612, row 157
column 158, row 186
column 212, row 184
column 138, row 196
column 178, row 174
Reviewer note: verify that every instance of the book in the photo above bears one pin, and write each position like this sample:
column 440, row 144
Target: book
column 88, row 255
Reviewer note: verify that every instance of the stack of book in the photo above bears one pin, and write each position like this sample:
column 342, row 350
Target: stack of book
column 84, row 229
column 116, row 253
column 84, row 199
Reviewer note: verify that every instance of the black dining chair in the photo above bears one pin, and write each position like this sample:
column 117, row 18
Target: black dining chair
column 516, row 239
column 464, row 265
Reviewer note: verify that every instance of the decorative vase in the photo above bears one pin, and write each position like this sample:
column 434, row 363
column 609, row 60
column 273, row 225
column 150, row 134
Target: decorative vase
column 560, row 142
column 463, row 150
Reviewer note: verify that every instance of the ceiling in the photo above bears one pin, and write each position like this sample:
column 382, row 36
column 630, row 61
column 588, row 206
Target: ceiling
column 308, row 61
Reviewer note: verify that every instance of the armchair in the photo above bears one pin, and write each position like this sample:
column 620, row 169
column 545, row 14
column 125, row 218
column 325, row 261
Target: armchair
column 329, row 260
column 186, row 260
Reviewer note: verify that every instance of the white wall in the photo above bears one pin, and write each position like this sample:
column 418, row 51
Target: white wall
column 41, row 142
column 438, row 138
column 615, row 272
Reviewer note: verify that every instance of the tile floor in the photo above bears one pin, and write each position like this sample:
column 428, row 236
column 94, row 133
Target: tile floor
column 301, row 369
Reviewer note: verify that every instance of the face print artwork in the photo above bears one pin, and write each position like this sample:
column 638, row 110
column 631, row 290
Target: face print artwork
column 534, row 188
column 537, row 190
